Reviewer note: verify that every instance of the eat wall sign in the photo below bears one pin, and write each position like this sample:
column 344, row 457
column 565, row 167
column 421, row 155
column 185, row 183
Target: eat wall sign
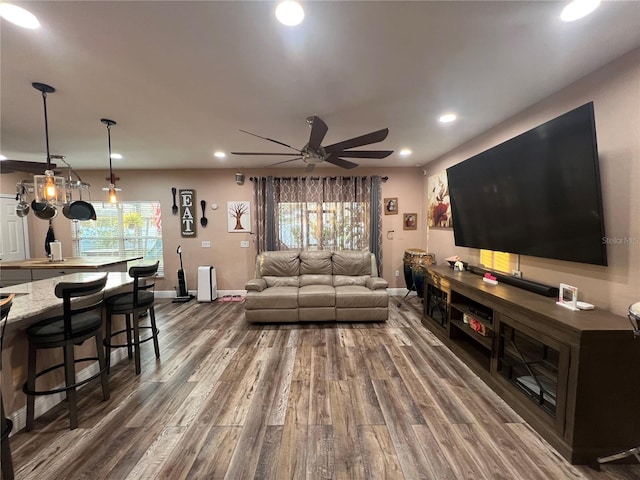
column 188, row 213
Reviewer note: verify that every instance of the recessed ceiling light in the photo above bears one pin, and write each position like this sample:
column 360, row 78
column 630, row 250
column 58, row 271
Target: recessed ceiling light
column 405, row 152
column 18, row 16
column 289, row 13
column 219, row 154
column 578, row 9
column 447, row 118
column 116, row 156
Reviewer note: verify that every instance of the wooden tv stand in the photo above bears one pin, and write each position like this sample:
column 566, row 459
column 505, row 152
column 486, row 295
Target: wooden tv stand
column 573, row 376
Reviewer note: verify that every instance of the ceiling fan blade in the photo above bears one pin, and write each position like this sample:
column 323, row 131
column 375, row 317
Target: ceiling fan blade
column 264, row 153
column 284, row 161
column 365, row 153
column 340, row 162
column 271, row 140
column 9, row 166
column 310, row 167
column 373, row 137
column 318, row 131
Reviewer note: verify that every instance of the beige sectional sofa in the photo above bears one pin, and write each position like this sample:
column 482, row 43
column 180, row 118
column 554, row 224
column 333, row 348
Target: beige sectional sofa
column 316, row 286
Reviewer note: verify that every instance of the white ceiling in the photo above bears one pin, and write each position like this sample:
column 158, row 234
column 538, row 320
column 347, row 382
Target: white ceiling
column 181, row 78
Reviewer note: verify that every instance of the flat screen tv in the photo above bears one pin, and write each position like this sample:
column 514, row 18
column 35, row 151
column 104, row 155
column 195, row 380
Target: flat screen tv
column 537, row 194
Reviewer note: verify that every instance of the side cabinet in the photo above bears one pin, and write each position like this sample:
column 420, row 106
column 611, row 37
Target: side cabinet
column 562, row 371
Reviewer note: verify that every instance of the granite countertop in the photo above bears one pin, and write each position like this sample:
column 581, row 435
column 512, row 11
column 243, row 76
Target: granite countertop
column 76, row 262
column 36, row 300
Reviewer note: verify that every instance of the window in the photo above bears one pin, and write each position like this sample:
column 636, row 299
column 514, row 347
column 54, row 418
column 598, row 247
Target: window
column 498, row 261
column 135, row 229
column 323, row 225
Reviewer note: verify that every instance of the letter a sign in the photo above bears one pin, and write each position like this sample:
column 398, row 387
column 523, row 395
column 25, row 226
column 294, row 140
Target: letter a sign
column 188, row 212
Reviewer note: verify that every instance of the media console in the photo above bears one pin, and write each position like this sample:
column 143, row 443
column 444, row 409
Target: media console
column 571, row 375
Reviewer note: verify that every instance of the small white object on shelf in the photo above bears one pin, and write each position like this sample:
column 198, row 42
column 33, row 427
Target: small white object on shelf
column 488, row 280
column 585, row 306
column 568, row 297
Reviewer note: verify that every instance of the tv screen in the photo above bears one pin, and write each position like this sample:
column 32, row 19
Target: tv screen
column 537, row 194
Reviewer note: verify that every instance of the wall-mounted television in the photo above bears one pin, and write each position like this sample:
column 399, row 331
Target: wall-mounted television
column 536, row 194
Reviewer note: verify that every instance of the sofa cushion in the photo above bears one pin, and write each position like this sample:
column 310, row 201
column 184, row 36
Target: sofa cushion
column 279, row 264
column 316, row 296
column 272, row 298
column 316, row 262
column 352, row 296
column 272, row 281
column 351, row 262
column 376, row 283
column 315, row 280
column 342, row 280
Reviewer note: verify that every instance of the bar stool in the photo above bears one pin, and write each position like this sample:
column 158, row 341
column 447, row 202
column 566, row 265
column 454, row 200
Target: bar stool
column 133, row 305
column 76, row 325
column 5, row 423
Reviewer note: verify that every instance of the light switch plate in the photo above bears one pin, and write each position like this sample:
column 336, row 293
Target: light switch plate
column 244, row 243
column 206, row 244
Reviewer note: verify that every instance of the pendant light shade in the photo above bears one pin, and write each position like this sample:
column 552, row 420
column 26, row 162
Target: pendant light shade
column 112, row 193
column 49, row 189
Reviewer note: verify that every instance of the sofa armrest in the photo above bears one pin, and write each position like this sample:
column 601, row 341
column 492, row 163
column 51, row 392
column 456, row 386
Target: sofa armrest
column 256, row 285
column 376, row 283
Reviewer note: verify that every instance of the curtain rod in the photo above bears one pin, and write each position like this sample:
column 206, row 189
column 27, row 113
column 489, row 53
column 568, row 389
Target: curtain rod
column 255, row 179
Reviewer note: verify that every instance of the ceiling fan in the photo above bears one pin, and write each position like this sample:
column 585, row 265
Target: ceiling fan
column 314, row 153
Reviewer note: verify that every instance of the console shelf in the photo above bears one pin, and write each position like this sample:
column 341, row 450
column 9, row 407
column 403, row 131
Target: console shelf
column 570, row 375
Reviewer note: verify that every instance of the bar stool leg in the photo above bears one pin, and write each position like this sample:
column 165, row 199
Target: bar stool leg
column 136, row 339
column 31, row 385
column 107, row 342
column 70, row 379
column 129, row 344
column 5, row 448
column 102, row 364
column 154, row 331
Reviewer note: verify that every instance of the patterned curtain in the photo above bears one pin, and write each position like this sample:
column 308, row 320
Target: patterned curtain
column 313, row 213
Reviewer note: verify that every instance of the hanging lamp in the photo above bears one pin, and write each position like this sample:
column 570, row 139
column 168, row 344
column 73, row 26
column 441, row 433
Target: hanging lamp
column 112, row 193
column 49, row 189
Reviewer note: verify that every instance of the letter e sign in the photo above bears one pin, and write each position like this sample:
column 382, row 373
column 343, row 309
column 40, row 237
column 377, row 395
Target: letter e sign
column 188, row 213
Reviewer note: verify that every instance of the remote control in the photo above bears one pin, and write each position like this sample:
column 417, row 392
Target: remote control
column 585, row 306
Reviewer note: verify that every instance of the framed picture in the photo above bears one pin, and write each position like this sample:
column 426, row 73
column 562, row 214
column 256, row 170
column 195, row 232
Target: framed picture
column 438, row 203
column 410, row 221
column 239, row 215
column 391, row 206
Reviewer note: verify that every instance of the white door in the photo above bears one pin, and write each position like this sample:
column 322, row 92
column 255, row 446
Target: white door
column 14, row 236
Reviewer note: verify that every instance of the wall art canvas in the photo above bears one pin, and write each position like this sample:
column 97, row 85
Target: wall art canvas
column 438, row 201
column 239, row 215
column 188, row 222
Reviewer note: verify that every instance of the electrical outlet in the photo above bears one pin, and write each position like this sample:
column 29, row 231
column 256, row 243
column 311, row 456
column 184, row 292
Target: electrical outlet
column 516, row 273
column 244, row 243
column 206, row 244
column 397, row 273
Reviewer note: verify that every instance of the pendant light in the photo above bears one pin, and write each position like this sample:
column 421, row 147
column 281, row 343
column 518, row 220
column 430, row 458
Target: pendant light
column 49, row 189
column 112, row 193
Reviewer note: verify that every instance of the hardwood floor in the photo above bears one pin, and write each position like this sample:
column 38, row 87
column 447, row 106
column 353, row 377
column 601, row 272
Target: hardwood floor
column 238, row 401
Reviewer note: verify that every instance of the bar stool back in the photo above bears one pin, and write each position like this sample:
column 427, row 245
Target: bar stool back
column 76, row 325
column 132, row 305
column 5, row 423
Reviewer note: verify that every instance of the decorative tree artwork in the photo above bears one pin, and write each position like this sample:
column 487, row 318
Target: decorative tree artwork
column 438, row 201
column 239, row 216
column 188, row 213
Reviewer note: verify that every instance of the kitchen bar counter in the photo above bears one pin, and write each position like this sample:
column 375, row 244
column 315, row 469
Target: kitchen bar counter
column 36, row 300
column 34, row 269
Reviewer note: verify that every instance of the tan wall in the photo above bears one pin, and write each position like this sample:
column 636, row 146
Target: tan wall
column 615, row 91
column 234, row 265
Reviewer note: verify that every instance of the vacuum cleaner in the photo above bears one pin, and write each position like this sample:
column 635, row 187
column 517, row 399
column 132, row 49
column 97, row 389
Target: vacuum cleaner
column 182, row 291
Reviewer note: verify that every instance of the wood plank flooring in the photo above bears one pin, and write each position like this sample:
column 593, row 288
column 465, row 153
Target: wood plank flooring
column 332, row 401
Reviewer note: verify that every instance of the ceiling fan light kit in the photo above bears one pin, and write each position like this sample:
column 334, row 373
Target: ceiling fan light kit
column 314, row 153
